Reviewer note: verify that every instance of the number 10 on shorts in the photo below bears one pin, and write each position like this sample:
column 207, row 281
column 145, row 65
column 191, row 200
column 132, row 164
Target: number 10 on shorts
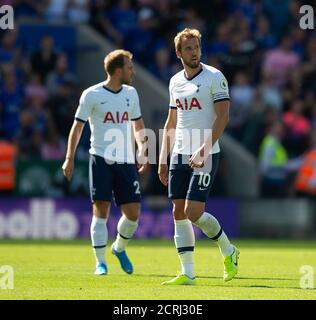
column 204, row 179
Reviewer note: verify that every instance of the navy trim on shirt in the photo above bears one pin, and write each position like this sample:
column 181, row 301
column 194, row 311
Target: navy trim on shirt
column 172, row 107
column 137, row 118
column 224, row 99
column 115, row 92
column 80, row 120
column 189, row 79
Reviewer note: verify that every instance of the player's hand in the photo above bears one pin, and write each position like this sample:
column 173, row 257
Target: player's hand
column 197, row 159
column 142, row 161
column 143, row 168
column 68, row 168
column 163, row 174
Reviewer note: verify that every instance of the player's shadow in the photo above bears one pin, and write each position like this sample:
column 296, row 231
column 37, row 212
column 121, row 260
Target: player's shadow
column 237, row 278
column 274, row 287
column 155, row 275
column 211, row 277
column 259, row 285
column 247, row 278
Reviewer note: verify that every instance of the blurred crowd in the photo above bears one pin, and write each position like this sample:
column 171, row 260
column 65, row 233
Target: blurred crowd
column 38, row 96
column 269, row 61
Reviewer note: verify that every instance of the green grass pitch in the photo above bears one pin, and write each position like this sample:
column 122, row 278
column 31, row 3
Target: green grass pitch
column 64, row 270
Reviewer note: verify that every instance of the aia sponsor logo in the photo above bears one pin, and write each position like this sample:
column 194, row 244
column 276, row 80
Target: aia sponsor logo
column 188, row 104
column 116, row 117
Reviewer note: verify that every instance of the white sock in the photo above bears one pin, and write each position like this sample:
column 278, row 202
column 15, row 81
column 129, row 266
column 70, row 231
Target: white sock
column 184, row 239
column 99, row 238
column 211, row 227
column 125, row 231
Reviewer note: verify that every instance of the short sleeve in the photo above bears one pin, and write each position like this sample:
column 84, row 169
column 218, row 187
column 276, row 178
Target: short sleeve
column 220, row 91
column 135, row 112
column 85, row 108
column 172, row 103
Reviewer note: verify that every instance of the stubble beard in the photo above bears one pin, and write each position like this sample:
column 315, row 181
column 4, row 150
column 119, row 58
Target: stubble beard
column 192, row 65
column 126, row 81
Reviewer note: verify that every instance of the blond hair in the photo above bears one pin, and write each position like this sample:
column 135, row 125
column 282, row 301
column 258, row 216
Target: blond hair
column 115, row 59
column 186, row 34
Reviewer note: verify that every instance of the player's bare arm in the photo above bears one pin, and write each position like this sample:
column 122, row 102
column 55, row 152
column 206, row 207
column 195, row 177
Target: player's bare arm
column 199, row 157
column 139, row 133
column 73, row 140
column 167, row 144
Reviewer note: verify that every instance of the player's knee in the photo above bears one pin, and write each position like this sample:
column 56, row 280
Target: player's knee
column 131, row 211
column 101, row 209
column 133, row 215
column 192, row 212
column 178, row 213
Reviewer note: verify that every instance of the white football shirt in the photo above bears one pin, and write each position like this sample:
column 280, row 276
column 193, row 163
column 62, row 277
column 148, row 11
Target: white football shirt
column 194, row 100
column 109, row 114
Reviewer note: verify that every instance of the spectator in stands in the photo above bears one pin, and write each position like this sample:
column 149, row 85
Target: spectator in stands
column 236, row 59
column 36, row 123
column 293, row 88
column 141, row 39
column 161, row 67
column 242, row 94
column 309, row 65
column 281, row 62
column 221, row 42
column 263, row 35
column 248, row 9
column 55, row 10
column 297, row 127
column 270, row 94
column 252, row 133
column 25, row 138
column 310, row 103
column 53, row 148
column 294, row 15
column 35, row 87
column 59, row 75
column 29, row 8
column 298, row 36
column 278, row 22
column 247, row 44
column 313, row 114
column 123, row 17
column 9, row 51
column 272, row 162
column 7, row 167
column 100, row 11
column 78, row 11
column 11, row 100
column 62, row 106
column 193, row 20
column 44, row 60
column 305, row 182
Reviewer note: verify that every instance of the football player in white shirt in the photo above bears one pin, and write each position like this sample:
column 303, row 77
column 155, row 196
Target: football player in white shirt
column 199, row 101
column 109, row 106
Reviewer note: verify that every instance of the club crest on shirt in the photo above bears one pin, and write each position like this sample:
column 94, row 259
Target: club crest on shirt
column 224, row 84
